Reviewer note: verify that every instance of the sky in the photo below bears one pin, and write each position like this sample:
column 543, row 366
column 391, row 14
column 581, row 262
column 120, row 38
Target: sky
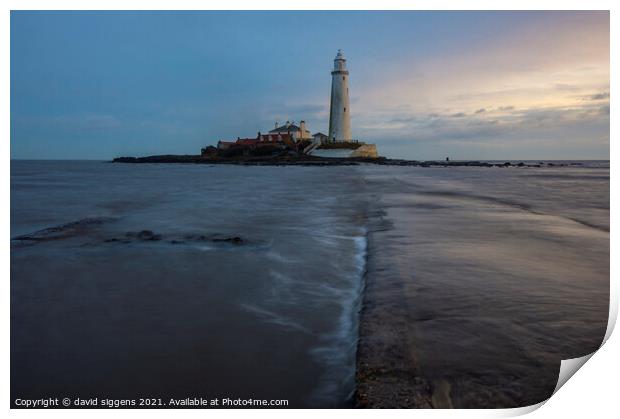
column 424, row 85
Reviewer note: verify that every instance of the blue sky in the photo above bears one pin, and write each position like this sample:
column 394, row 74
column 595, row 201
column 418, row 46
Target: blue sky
column 424, row 85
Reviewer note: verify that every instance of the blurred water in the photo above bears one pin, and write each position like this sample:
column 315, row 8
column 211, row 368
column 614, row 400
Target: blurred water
column 503, row 271
column 274, row 318
column 495, row 275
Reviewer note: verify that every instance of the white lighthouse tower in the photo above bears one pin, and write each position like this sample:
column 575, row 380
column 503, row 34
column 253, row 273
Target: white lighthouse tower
column 340, row 113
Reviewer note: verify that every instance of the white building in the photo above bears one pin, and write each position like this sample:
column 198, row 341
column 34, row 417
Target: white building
column 297, row 132
column 320, row 137
column 340, row 112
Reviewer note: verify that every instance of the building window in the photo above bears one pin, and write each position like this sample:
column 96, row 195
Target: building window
column 342, row 77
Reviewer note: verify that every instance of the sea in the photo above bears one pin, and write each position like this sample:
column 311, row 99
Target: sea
column 174, row 281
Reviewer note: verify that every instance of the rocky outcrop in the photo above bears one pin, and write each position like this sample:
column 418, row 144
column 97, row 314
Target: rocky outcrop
column 60, row 232
column 149, row 236
column 88, row 230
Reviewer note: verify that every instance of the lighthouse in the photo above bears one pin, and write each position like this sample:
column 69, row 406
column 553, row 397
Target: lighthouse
column 339, row 112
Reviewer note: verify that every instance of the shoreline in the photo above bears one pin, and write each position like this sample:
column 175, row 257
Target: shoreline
column 304, row 160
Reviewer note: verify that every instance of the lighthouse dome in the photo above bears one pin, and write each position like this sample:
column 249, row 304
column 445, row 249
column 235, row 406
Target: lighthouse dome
column 340, row 62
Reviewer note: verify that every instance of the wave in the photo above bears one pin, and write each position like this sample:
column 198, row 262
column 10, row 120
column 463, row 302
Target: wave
column 339, row 348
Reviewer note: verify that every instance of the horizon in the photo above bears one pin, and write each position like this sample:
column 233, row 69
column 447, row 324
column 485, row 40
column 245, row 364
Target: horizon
column 439, row 160
column 424, row 85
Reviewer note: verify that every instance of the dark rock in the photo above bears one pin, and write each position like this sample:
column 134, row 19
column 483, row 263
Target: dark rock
column 148, row 235
column 233, row 240
column 144, row 235
column 195, row 237
column 117, row 240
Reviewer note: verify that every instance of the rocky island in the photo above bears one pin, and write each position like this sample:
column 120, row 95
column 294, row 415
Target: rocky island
column 310, row 160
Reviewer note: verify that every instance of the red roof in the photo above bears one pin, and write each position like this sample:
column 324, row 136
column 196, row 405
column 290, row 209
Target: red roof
column 247, row 141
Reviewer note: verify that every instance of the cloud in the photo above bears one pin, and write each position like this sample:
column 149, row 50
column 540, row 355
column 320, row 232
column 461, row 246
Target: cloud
column 405, row 119
column 483, row 129
column 540, row 92
column 597, row 96
column 549, row 62
column 567, row 87
column 506, row 108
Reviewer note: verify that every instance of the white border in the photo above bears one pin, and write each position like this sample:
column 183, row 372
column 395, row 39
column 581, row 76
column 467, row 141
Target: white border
column 591, row 393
